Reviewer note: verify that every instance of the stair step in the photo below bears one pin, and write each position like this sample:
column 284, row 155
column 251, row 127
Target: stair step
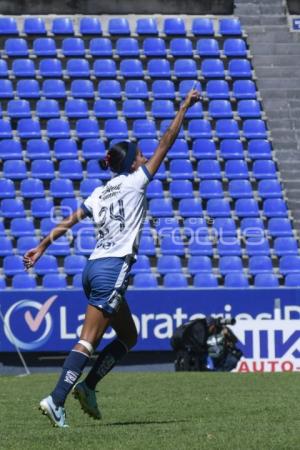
column 259, row 48
column 278, row 83
column 272, row 72
column 276, row 60
column 265, row 19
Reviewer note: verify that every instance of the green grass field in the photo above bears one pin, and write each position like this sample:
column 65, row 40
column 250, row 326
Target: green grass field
column 159, row 411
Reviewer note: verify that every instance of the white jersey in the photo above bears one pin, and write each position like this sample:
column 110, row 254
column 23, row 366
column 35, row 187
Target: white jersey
column 118, row 210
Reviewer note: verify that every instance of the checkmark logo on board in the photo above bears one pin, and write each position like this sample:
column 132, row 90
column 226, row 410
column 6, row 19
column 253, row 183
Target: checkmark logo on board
column 35, row 322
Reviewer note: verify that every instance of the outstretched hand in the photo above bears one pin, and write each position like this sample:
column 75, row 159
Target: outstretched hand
column 31, row 257
column 192, row 97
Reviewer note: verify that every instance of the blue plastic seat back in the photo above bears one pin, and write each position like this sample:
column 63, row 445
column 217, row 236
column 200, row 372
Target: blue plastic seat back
column 90, row 26
column 146, row 26
column 202, row 27
column 101, row 47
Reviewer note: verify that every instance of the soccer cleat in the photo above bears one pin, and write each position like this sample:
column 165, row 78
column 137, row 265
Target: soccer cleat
column 56, row 414
column 87, row 399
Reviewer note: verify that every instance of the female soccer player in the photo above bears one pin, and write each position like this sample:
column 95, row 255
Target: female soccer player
column 118, row 210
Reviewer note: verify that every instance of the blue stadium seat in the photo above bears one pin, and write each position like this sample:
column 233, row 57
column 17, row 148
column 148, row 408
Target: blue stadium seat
column 231, row 149
column 181, row 169
column 166, row 226
column 145, row 281
column 127, row 46
column 10, row 149
column 88, row 185
column 76, row 108
column 186, row 85
column 54, row 281
column 285, row 246
column 32, row 188
column 169, row 263
column 109, row 89
column 190, row 207
column 205, row 280
column 195, row 226
column 199, row 264
column 199, row 128
column 136, row 89
column 161, row 174
column 213, row 68
column 59, row 248
column 240, row 189
column 175, row 281
column 7, row 188
column 16, row 47
column 227, row 129
column 61, row 188
column 6, row 129
column 280, row 227
column 236, row 280
column 218, row 207
column 220, row 109
column 143, row 129
column 44, row 47
column 246, row 207
column 82, row 89
column 74, row 264
column 43, row 169
column 105, row 68
column 84, row 227
column 90, row 25
column 264, row 169
column 77, row 281
column 70, row 168
column 155, row 189
column 236, row 169
column 208, row 47
column 161, row 207
column 259, row 149
column 13, row 264
column 164, row 125
column 34, row 26
column 6, row 247
column 204, row 149
column 260, row 264
column 94, row 170
column 239, row 68
column 50, row 68
column 230, row 27
column 202, row 27
column 202, row 246
column 25, row 243
column 134, row 109
column 147, row 246
column 2, row 229
column 6, row 89
column 292, row 280
column 181, row 189
column 230, row 264
column 148, row 146
column 211, row 189
column 154, row 46
column 118, row 26
column 269, row 189
column 142, row 265
column 58, row 128
column 93, row 148
column 116, row 129
column 252, row 227
column 185, row 68
column 146, row 25
column 162, row 109
column 266, row 280
column 87, row 128
column 244, row 89
column 22, row 227
column 77, row 68
column 47, row 109
column 24, row 281
column 195, row 111
column 42, row 207
column 54, row 89
column 73, row 46
column 105, row 109
column 4, row 68
column 209, row 169
column 14, row 169
column 172, row 245
column 25, row 89
column 254, row 129
column 159, row 68
column 235, row 47
column 62, row 25
column 47, row 225
column 249, row 109
column 179, row 150
column 174, row 26
column 23, row 68
column 101, row 47
column 257, row 246
column 8, row 25
column 225, row 226
column 181, row 47
column 37, row 149
column 217, row 89
column 289, row 264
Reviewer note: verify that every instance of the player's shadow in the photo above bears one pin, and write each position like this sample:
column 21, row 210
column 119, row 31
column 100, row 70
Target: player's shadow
column 142, row 422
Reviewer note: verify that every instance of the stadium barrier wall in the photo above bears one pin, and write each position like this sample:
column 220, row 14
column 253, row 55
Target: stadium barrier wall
column 268, row 321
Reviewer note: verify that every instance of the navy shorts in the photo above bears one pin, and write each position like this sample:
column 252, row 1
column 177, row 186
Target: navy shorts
column 105, row 281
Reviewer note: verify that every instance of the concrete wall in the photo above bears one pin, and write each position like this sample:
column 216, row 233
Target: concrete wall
column 293, row 6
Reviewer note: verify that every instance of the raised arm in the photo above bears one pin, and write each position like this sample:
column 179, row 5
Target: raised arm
column 171, row 134
column 31, row 257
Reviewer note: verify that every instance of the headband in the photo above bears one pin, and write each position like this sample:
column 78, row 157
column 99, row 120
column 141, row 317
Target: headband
column 129, row 158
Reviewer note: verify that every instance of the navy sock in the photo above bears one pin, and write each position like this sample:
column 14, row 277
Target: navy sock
column 71, row 371
column 107, row 359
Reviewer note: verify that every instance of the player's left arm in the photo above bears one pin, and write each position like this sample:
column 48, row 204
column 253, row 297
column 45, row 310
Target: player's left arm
column 32, row 255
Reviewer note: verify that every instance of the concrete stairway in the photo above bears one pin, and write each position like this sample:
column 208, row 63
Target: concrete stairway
column 276, row 59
